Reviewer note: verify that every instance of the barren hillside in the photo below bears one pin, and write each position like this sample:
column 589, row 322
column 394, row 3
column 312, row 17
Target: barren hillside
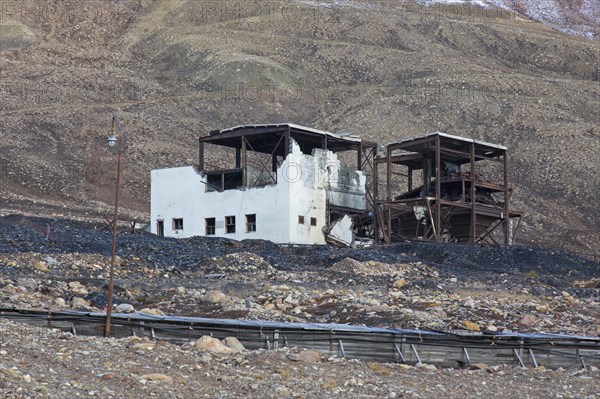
column 173, row 70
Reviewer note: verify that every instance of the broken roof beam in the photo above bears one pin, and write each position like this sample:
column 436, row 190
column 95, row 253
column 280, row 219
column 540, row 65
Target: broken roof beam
column 426, row 144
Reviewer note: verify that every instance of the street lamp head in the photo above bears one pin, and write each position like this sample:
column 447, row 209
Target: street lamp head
column 112, row 141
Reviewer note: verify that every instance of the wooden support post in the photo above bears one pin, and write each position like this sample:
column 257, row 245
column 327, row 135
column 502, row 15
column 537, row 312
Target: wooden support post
column 276, row 339
column 410, row 178
column 438, row 190
column 472, row 239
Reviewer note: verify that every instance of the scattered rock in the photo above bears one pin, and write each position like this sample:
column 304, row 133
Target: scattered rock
column 158, row 377
column 310, row 356
column 41, row 266
column 77, row 303
column 234, row 343
column 153, row 312
column 215, row 296
column 593, row 283
column 426, row 367
column 212, row 345
column 400, row 283
column 469, row 325
column 529, row 321
column 295, row 357
column 125, row 308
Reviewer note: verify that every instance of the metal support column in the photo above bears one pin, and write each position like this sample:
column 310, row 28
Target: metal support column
column 376, row 198
column 359, row 156
column 243, row 162
column 388, row 227
column 472, row 238
column 506, row 202
column 201, row 156
column 286, row 143
column 438, row 191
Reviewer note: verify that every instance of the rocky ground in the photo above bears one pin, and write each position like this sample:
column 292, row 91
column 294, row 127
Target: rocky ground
column 38, row 363
column 63, row 264
column 408, row 285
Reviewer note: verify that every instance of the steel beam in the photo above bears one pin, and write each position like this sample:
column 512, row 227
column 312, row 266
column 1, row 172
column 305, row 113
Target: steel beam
column 201, row 156
column 506, row 202
column 438, row 190
column 472, row 239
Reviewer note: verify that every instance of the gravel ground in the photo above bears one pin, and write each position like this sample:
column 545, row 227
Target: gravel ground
column 37, row 363
column 409, row 285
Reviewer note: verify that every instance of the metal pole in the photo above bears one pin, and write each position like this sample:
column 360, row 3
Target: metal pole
column 438, row 191
column 507, row 238
column 473, row 238
column 388, row 228
column 114, row 237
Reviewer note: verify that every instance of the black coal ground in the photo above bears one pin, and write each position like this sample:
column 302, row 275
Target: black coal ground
column 242, row 270
column 553, row 268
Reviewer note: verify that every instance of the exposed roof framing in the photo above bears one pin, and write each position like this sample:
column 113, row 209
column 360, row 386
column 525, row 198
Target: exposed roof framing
column 264, row 138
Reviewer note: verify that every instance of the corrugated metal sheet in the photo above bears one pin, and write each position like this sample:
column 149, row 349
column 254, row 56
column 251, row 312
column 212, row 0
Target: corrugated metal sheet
column 361, row 342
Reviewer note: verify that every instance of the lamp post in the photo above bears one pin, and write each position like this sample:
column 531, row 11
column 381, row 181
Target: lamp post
column 114, row 141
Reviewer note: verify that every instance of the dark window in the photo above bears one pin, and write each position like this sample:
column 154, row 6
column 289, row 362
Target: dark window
column 177, row 224
column 313, row 221
column 210, row 224
column 300, row 219
column 250, row 223
column 160, row 228
column 229, row 224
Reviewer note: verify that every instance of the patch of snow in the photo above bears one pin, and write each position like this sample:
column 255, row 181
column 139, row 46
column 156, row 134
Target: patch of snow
column 583, row 20
column 547, row 12
column 480, row 3
column 591, row 10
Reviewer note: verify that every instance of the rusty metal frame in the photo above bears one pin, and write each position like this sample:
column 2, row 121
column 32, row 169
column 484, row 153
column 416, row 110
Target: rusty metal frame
column 431, row 150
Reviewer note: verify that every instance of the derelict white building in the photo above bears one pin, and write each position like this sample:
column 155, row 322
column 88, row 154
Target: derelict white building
column 279, row 182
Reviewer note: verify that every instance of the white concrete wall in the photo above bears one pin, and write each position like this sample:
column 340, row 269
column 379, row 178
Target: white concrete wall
column 303, row 185
column 181, row 193
column 308, row 196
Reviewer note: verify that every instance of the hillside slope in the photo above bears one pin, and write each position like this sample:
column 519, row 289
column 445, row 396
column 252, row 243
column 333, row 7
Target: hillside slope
column 173, row 70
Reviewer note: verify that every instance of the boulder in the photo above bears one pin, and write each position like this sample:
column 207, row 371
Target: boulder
column 212, row 345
